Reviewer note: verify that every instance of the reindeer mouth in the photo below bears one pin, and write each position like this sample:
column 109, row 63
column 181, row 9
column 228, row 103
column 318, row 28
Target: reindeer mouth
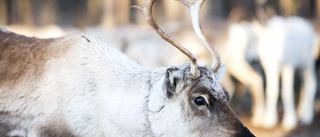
column 245, row 132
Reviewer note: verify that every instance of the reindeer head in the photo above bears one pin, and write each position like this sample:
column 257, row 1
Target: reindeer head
column 180, row 105
column 188, row 100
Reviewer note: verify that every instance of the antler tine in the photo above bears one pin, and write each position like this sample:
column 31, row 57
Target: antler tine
column 195, row 18
column 147, row 12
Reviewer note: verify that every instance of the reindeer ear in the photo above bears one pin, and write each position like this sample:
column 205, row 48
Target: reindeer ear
column 220, row 73
column 173, row 78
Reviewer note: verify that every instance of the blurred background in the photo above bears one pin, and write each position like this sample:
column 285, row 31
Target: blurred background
column 86, row 13
column 234, row 27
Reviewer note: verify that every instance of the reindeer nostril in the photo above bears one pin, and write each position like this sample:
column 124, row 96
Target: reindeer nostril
column 245, row 132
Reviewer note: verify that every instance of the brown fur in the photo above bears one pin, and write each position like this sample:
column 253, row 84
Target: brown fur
column 22, row 63
column 55, row 131
column 22, row 56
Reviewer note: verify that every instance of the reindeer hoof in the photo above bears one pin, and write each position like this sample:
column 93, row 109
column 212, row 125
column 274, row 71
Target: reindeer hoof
column 306, row 117
column 289, row 123
column 270, row 121
column 257, row 119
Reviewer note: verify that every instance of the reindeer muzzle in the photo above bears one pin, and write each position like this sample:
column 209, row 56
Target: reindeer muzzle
column 245, row 132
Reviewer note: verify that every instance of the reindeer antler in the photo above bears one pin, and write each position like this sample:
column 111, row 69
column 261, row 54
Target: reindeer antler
column 147, row 12
column 195, row 18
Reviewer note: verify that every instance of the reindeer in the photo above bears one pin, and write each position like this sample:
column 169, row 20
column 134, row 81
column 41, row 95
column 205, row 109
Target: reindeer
column 276, row 50
column 77, row 85
column 242, row 38
column 286, row 46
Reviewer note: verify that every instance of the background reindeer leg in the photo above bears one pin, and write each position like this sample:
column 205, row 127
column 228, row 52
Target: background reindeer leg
column 306, row 105
column 272, row 72
column 289, row 119
column 242, row 71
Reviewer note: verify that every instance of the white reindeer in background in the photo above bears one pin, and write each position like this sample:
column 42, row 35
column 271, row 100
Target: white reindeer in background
column 284, row 47
column 291, row 43
column 77, row 85
column 241, row 37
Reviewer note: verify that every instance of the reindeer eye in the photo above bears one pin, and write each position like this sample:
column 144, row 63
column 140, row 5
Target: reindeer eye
column 200, row 101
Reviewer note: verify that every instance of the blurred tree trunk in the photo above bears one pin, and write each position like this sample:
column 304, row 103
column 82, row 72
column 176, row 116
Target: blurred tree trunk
column 108, row 13
column 19, row 12
column 43, row 11
column 25, row 12
column 219, row 8
column 260, row 11
column 317, row 2
column 288, row 7
column 176, row 11
column 3, row 12
column 94, row 11
column 116, row 12
column 122, row 11
column 173, row 10
column 71, row 13
column 81, row 13
column 306, row 8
